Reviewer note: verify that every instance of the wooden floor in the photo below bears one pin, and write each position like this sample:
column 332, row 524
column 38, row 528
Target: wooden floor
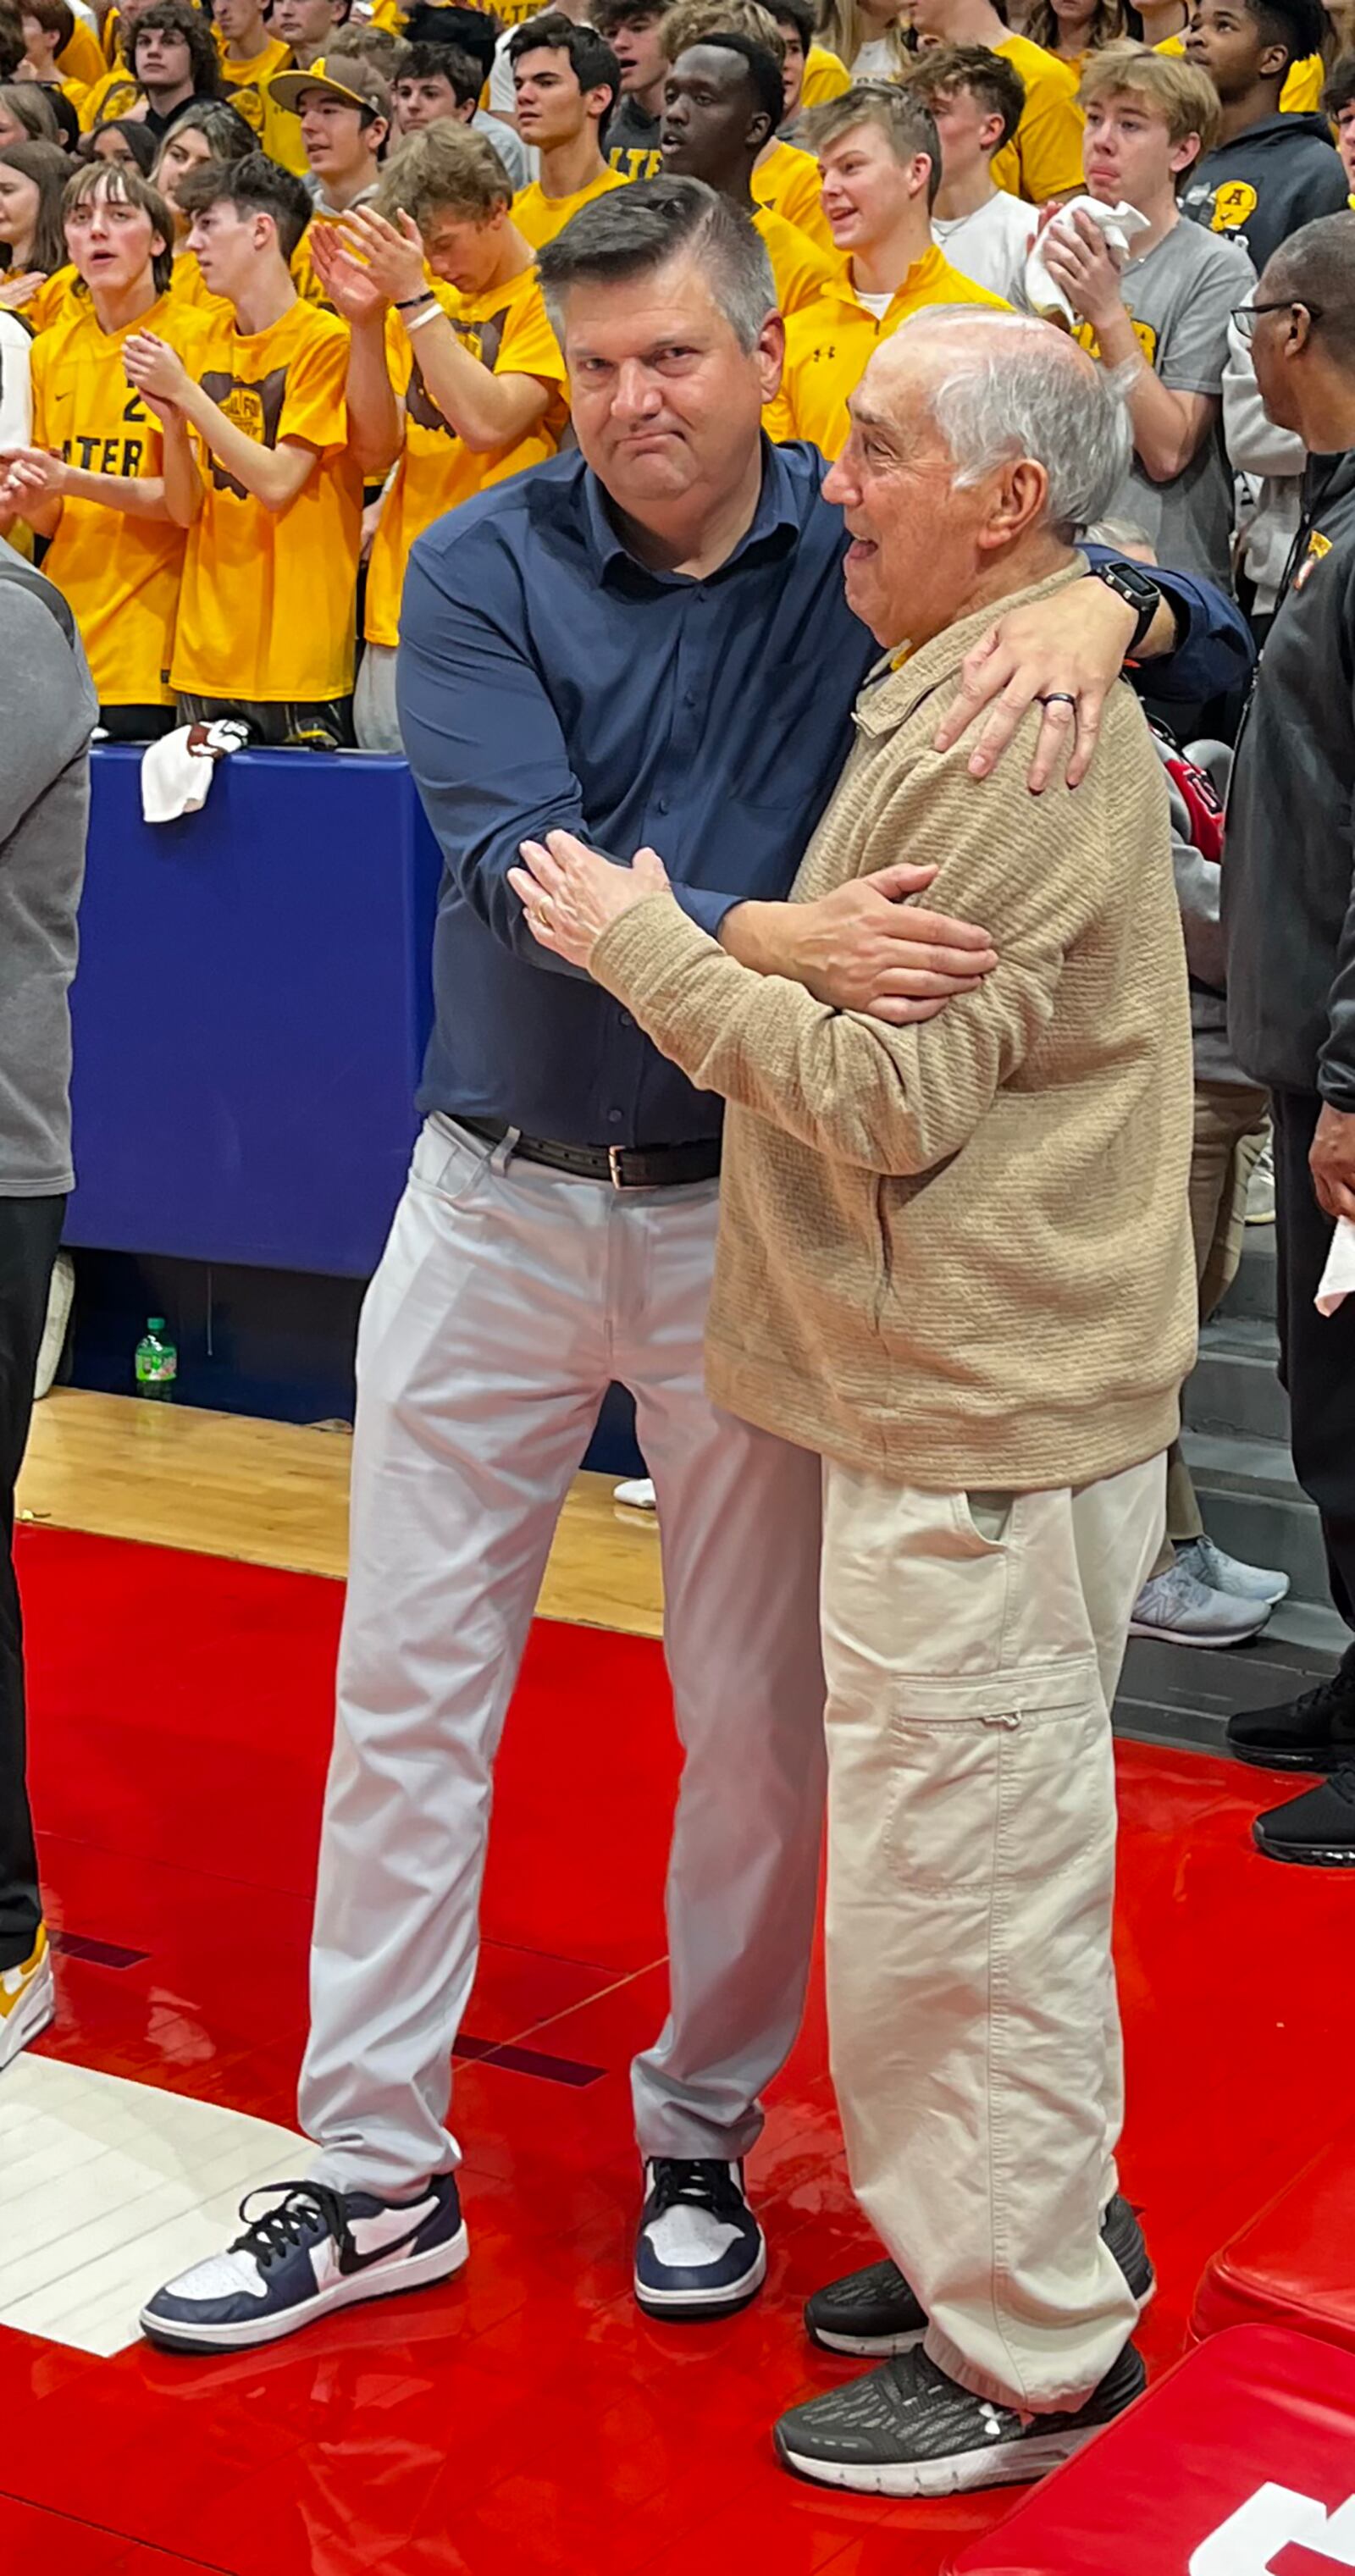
column 223, row 1484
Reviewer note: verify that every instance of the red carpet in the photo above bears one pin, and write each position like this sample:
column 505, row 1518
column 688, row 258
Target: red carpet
column 527, row 2418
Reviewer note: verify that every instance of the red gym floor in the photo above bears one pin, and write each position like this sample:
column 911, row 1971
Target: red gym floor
column 527, row 2418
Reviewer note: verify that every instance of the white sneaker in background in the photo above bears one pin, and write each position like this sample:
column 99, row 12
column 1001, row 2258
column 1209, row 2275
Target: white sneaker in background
column 636, row 1495
column 1182, row 1611
column 60, row 1298
column 1261, row 1186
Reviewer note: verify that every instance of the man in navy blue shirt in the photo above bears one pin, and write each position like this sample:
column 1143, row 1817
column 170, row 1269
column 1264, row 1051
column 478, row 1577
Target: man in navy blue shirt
column 648, row 641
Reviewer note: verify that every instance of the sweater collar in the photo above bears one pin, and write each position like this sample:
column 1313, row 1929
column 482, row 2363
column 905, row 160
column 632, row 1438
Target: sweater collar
column 900, row 680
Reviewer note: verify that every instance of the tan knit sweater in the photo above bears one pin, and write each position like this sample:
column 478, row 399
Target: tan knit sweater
column 958, row 1253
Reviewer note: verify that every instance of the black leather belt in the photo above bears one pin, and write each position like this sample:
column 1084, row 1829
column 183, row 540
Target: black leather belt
column 625, row 1167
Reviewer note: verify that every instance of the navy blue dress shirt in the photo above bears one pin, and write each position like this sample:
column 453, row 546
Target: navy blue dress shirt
column 547, row 679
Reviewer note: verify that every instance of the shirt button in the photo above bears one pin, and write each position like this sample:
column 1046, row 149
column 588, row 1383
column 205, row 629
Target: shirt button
column 690, row 698
column 660, row 804
column 613, row 1117
column 626, row 1021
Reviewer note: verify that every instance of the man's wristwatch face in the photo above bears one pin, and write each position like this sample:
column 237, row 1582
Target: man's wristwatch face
column 1137, row 589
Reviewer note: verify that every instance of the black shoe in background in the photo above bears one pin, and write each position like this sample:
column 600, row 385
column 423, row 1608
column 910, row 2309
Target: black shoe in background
column 1317, row 1829
column 1313, row 1732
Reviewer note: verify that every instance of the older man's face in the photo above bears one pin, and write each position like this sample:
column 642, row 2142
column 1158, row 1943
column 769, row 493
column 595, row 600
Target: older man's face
column 911, row 530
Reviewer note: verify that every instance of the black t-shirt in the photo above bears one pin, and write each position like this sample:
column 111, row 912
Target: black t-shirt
column 633, row 142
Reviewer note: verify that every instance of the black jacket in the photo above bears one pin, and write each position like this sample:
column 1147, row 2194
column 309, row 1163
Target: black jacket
column 1259, row 189
column 1288, row 886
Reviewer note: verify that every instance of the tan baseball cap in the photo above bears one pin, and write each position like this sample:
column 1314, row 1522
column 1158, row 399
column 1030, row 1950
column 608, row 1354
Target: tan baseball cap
column 353, row 82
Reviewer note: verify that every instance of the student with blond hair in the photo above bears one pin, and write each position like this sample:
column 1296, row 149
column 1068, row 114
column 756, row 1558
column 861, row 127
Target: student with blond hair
column 1162, row 314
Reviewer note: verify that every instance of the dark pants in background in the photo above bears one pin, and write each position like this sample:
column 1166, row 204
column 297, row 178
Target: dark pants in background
column 1317, row 1352
column 30, row 1231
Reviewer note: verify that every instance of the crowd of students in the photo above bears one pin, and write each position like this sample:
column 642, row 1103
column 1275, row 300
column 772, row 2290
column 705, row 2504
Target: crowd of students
column 279, row 311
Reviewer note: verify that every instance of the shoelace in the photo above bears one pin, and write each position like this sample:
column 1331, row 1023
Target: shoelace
column 288, row 2225
column 697, row 2183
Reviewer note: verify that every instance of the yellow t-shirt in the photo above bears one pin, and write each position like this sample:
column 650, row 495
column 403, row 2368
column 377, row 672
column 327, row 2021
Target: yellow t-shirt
column 82, row 59
column 826, row 76
column 120, row 574
column 540, row 218
column 788, row 181
column 51, row 301
column 799, row 269
column 830, row 345
column 508, row 331
column 109, row 34
column 266, row 607
column 1044, row 157
column 246, row 83
column 109, row 96
column 187, row 290
column 1302, row 91
column 280, row 132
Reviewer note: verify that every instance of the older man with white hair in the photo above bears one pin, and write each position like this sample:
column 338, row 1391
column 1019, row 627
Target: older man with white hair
column 954, row 1260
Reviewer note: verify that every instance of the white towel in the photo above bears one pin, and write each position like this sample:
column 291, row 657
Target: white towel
column 1338, row 1279
column 1119, row 225
column 176, row 772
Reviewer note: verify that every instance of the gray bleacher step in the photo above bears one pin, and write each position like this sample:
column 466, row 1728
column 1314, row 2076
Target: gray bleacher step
column 1253, row 1291
column 1179, row 1695
column 1254, row 1509
column 1235, row 1386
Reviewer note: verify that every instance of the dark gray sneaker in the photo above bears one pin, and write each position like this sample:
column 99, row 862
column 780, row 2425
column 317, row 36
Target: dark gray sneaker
column 874, row 2312
column 908, row 2430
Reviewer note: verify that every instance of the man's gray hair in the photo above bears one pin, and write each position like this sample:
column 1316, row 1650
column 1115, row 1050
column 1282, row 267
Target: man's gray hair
column 1017, row 388
column 635, row 230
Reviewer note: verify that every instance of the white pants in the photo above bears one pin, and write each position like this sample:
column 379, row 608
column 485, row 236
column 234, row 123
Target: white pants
column 507, row 1299
column 973, row 1645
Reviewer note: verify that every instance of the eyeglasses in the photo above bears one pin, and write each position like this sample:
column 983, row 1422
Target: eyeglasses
column 1245, row 317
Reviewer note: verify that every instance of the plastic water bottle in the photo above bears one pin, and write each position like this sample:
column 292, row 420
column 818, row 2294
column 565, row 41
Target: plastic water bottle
column 157, row 1363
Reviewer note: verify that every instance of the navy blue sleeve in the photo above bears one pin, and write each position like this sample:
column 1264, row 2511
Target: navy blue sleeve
column 484, row 744
column 1215, row 652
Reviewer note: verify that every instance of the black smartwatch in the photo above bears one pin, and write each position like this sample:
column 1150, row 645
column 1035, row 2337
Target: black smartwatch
column 1137, row 589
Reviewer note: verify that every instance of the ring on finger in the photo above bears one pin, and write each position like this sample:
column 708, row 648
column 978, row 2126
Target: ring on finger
column 1057, row 698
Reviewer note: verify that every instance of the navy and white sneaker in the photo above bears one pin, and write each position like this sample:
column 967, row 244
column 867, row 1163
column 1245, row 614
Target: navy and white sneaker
column 907, row 2429
column 315, row 2250
column 700, row 2253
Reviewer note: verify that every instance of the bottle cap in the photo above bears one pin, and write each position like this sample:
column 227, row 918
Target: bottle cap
column 155, row 1324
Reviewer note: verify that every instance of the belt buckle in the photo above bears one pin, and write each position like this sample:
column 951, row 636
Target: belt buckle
column 618, row 1178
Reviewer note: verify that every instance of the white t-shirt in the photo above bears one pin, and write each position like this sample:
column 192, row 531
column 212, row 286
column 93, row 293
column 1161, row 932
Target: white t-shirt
column 877, row 304
column 877, row 61
column 16, row 395
column 990, row 246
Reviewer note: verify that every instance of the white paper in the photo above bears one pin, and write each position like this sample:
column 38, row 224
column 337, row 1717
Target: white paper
column 1338, row 1279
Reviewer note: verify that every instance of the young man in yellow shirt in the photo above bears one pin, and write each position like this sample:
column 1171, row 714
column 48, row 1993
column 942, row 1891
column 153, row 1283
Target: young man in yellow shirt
column 249, row 55
column 117, row 90
column 880, row 161
column 719, row 110
column 1044, row 158
column 309, row 29
column 344, row 112
column 456, row 385
column 258, row 470
column 567, row 81
column 92, row 481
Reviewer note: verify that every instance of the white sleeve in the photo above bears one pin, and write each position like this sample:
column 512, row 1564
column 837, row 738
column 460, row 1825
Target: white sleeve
column 16, row 387
column 502, row 95
column 1254, row 444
